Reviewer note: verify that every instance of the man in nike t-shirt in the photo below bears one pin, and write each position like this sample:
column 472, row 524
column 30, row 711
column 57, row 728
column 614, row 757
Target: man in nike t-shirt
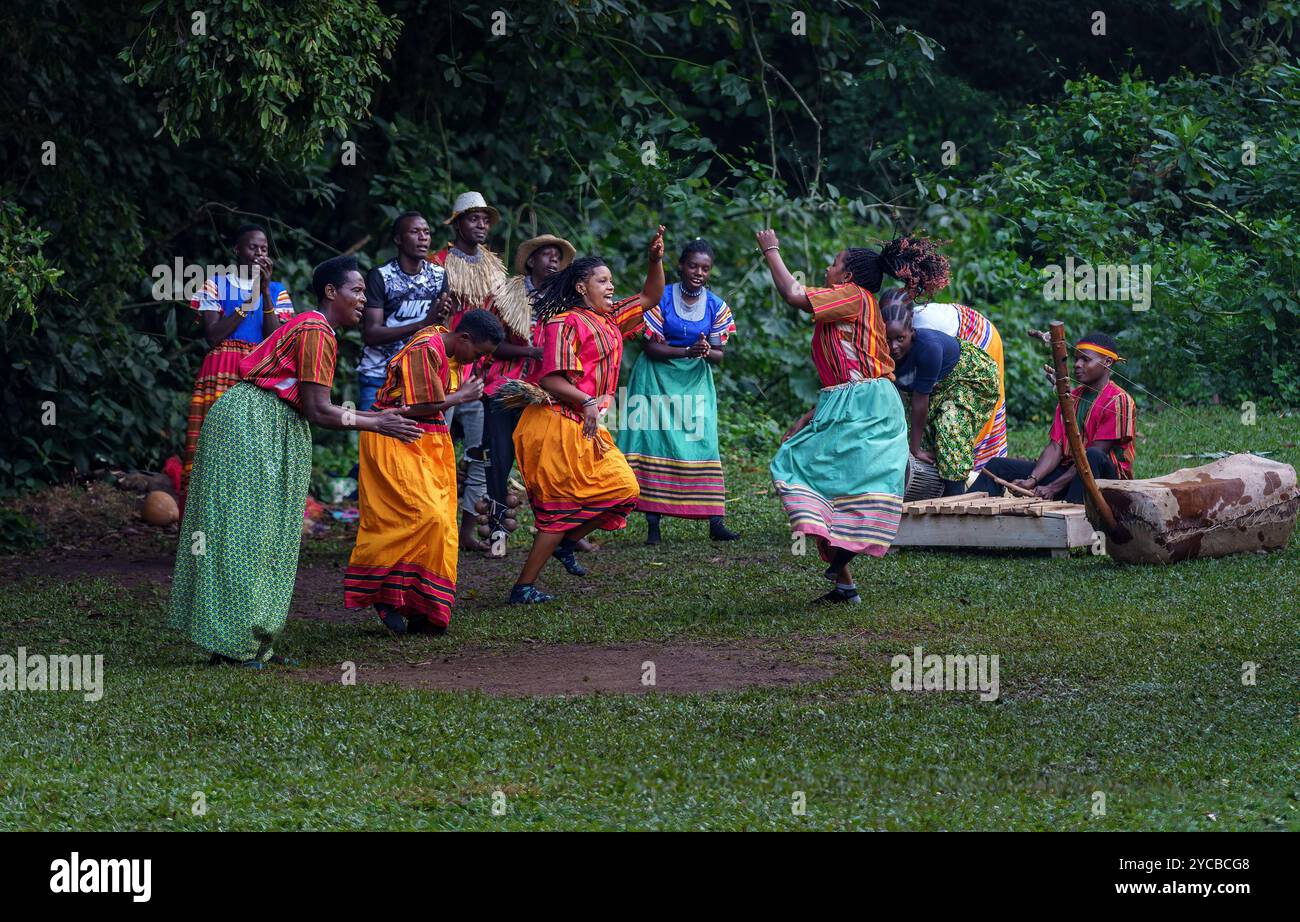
column 400, row 301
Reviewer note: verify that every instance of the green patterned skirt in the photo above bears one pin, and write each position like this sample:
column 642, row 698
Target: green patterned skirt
column 960, row 405
column 238, row 551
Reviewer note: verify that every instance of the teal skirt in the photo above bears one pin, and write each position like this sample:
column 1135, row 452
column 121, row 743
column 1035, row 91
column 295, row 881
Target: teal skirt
column 669, row 435
column 840, row 478
column 238, row 551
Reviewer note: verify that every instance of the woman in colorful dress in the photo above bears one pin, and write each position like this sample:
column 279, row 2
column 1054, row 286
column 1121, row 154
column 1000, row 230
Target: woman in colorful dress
column 675, row 456
column 238, row 310
column 969, row 326
column 577, row 479
column 404, row 561
column 951, row 388
column 840, row 469
column 238, row 552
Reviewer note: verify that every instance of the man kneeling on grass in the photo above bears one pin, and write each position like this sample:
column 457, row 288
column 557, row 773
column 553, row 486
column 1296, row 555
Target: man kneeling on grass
column 404, row 562
column 1107, row 421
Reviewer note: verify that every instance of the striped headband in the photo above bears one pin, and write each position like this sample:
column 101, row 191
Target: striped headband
column 1100, row 350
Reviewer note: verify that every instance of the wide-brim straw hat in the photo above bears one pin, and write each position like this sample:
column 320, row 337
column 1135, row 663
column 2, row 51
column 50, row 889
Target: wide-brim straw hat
column 529, row 247
column 471, row 201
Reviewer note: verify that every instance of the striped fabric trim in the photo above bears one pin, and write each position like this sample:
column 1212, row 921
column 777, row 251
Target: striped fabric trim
column 848, row 335
column 1125, row 410
column 405, row 586
column 419, row 373
column 866, row 523
column 973, row 327
column 562, row 516
column 993, row 445
column 686, row 489
column 589, row 347
column 304, row 349
column 218, row 373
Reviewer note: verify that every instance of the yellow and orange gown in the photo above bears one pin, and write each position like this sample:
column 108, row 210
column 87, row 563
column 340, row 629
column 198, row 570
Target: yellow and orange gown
column 570, row 478
column 405, row 555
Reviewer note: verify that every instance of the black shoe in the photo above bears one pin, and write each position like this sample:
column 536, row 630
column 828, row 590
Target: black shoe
column 718, row 530
column 393, row 620
column 420, row 624
column 566, row 554
column 652, row 528
column 839, row 596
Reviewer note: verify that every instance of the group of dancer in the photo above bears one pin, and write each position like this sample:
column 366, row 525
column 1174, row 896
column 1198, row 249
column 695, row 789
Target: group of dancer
column 528, row 365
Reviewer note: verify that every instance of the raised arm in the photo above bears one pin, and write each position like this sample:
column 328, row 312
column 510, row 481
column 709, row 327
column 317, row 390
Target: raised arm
column 653, row 289
column 789, row 288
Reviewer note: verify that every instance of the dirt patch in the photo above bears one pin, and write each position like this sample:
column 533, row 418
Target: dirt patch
column 581, row 669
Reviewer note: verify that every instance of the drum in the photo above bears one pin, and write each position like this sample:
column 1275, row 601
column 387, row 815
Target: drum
column 923, row 481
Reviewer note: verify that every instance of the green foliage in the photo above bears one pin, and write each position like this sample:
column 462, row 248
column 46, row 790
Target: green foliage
column 1207, row 200
column 18, row 533
column 598, row 120
column 27, row 272
column 271, row 78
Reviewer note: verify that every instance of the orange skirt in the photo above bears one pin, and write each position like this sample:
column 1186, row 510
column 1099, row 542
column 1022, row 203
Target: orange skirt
column 405, row 555
column 218, row 374
column 568, row 485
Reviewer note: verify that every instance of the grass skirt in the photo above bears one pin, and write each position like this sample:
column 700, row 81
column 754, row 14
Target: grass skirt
column 238, row 550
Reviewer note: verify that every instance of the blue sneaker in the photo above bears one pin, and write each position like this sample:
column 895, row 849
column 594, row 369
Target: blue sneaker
column 566, row 554
column 528, row 594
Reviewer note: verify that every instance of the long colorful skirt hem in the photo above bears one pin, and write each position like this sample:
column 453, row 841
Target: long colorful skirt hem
column 840, row 478
column 239, row 540
column 991, row 441
column 405, row 555
column 670, row 438
column 568, row 483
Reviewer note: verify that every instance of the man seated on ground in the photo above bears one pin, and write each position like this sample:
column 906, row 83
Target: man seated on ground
column 1107, row 421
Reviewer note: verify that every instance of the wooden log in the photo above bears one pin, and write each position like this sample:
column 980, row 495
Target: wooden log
column 1239, row 504
column 1070, row 418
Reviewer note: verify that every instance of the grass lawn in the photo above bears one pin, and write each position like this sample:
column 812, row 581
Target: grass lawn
column 1120, row 680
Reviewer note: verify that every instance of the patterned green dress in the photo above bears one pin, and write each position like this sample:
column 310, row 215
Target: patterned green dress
column 238, row 552
column 960, row 405
column 239, row 541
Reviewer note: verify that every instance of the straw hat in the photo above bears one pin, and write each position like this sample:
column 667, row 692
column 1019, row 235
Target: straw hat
column 472, row 201
column 529, row 247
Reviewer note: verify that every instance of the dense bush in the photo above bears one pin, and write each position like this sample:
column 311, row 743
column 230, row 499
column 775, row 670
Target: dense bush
column 598, row 120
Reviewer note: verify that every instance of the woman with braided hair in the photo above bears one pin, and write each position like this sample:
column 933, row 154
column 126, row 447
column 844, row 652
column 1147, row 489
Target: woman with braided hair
column 577, row 479
column 841, row 467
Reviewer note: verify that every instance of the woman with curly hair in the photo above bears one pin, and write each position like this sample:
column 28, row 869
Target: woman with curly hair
column 841, row 467
column 577, row 479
